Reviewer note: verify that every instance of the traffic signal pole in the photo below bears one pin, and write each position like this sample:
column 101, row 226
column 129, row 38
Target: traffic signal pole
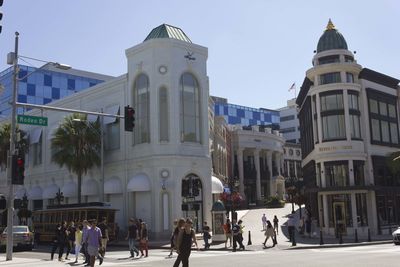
column 10, row 200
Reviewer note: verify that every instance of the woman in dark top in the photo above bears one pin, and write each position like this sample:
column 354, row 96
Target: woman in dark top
column 59, row 241
column 185, row 240
column 144, row 238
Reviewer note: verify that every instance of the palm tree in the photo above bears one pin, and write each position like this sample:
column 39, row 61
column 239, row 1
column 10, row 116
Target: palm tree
column 22, row 143
column 77, row 145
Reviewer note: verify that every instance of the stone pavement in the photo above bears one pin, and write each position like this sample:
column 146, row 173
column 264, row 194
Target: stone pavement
column 252, row 222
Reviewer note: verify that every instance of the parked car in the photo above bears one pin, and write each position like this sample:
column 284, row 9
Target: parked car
column 22, row 237
column 396, row 236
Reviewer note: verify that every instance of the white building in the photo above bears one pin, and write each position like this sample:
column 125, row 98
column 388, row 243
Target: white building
column 167, row 84
column 289, row 123
column 349, row 123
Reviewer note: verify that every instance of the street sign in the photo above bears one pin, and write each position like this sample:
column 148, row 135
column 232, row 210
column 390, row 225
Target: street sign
column 32, row 120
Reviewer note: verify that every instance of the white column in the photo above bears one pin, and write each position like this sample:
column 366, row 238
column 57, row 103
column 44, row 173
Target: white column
column 319, row 120
column 354, row 210
column 351, row 173
column 346, row 114
column 325, row 210
column 323, row 177
column 269, row 160
column 241, row 172
column 258, row 177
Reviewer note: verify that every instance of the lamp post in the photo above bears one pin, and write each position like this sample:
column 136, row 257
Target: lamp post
column 101, row 133
column 12, row 58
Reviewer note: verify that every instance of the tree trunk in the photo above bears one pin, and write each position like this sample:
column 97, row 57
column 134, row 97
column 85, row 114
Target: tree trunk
column 79, row 188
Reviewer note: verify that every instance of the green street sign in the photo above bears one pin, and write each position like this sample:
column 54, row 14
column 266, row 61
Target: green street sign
column 32, row 120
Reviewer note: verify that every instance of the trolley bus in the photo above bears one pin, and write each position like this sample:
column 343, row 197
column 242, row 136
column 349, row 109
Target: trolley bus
column 45, row 221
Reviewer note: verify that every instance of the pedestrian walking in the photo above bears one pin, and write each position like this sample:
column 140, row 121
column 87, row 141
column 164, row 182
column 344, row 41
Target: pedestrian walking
column 116, row 232
column 173, row 237
column 132, row 237
column 184, row 243
column 104, row 233
column 144, row 240
column 206, row 235
column 59, row 241
column 85, row 229
column 236, row 236
column 228, row 232
column 270, row 233
column 78, row 242
column 70, row 238
column 276, row 224
column 241, row 227
column 93, row 240
column 308, row 221
column 264, row 222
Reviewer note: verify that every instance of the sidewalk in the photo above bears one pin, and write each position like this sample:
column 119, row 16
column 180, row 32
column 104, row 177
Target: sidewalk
column 253, row 224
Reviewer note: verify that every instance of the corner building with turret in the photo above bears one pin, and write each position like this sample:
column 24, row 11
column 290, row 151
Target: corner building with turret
column 349, row 123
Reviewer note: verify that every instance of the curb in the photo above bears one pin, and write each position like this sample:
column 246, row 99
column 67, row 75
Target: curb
column 342, row 245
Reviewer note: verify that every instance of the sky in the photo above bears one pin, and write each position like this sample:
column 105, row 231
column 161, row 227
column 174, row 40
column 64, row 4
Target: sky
column 257, row 48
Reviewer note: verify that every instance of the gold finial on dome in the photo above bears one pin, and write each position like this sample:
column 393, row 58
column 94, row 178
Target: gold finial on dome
column 330, row 26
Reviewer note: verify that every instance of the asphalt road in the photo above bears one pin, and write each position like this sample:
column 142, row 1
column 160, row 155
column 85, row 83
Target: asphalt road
column 376, row 255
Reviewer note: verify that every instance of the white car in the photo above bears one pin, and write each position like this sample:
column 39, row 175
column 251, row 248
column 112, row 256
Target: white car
column 396, row 236
column 22, row 237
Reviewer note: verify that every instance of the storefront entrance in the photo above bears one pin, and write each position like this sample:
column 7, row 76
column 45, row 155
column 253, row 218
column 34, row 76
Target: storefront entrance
column 340, row 218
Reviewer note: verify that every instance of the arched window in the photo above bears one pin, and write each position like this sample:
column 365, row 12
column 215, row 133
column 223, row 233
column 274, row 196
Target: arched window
column 163, row 114
column 190, row 109
column 142, row 104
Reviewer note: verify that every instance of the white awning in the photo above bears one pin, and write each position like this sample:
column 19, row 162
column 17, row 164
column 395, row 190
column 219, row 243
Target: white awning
column 69, row 190
column 90, row 188
column 111, row 110
column 35, row 193
column 19, row 194
column 34, row 137
column 216, row 185
column 50, row 191
column 113, row 186
column 139, row 183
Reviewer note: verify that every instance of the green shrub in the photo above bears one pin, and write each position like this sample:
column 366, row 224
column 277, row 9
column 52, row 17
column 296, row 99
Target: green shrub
column 274, row 202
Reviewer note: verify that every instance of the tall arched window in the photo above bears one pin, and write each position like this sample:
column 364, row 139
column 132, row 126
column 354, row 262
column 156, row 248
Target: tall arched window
column 163, row 114
column 142, row 105
column 190, row 109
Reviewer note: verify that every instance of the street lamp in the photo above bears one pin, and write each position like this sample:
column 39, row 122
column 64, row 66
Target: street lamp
column 12, row 59
column 101, row 133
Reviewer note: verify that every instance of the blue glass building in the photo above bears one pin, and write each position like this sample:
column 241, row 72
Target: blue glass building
column 246, row 116
column 42, row 86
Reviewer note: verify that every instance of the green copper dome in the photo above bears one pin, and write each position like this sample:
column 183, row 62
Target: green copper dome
column 331, row 39
column 167, row 31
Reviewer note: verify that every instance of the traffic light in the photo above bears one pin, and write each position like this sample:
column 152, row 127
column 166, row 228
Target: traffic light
column 18, row 170
column 129, row 118
column 185, row 188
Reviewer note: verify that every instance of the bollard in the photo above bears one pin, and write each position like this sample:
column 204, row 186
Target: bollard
column 369, row 235
column 249, row 241
column 390, row 229
column 321, row 240
column 340, row 238
column 355, row 236
column 293, row 238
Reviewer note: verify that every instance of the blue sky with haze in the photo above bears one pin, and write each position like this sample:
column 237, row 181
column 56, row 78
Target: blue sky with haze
column 257, row 48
